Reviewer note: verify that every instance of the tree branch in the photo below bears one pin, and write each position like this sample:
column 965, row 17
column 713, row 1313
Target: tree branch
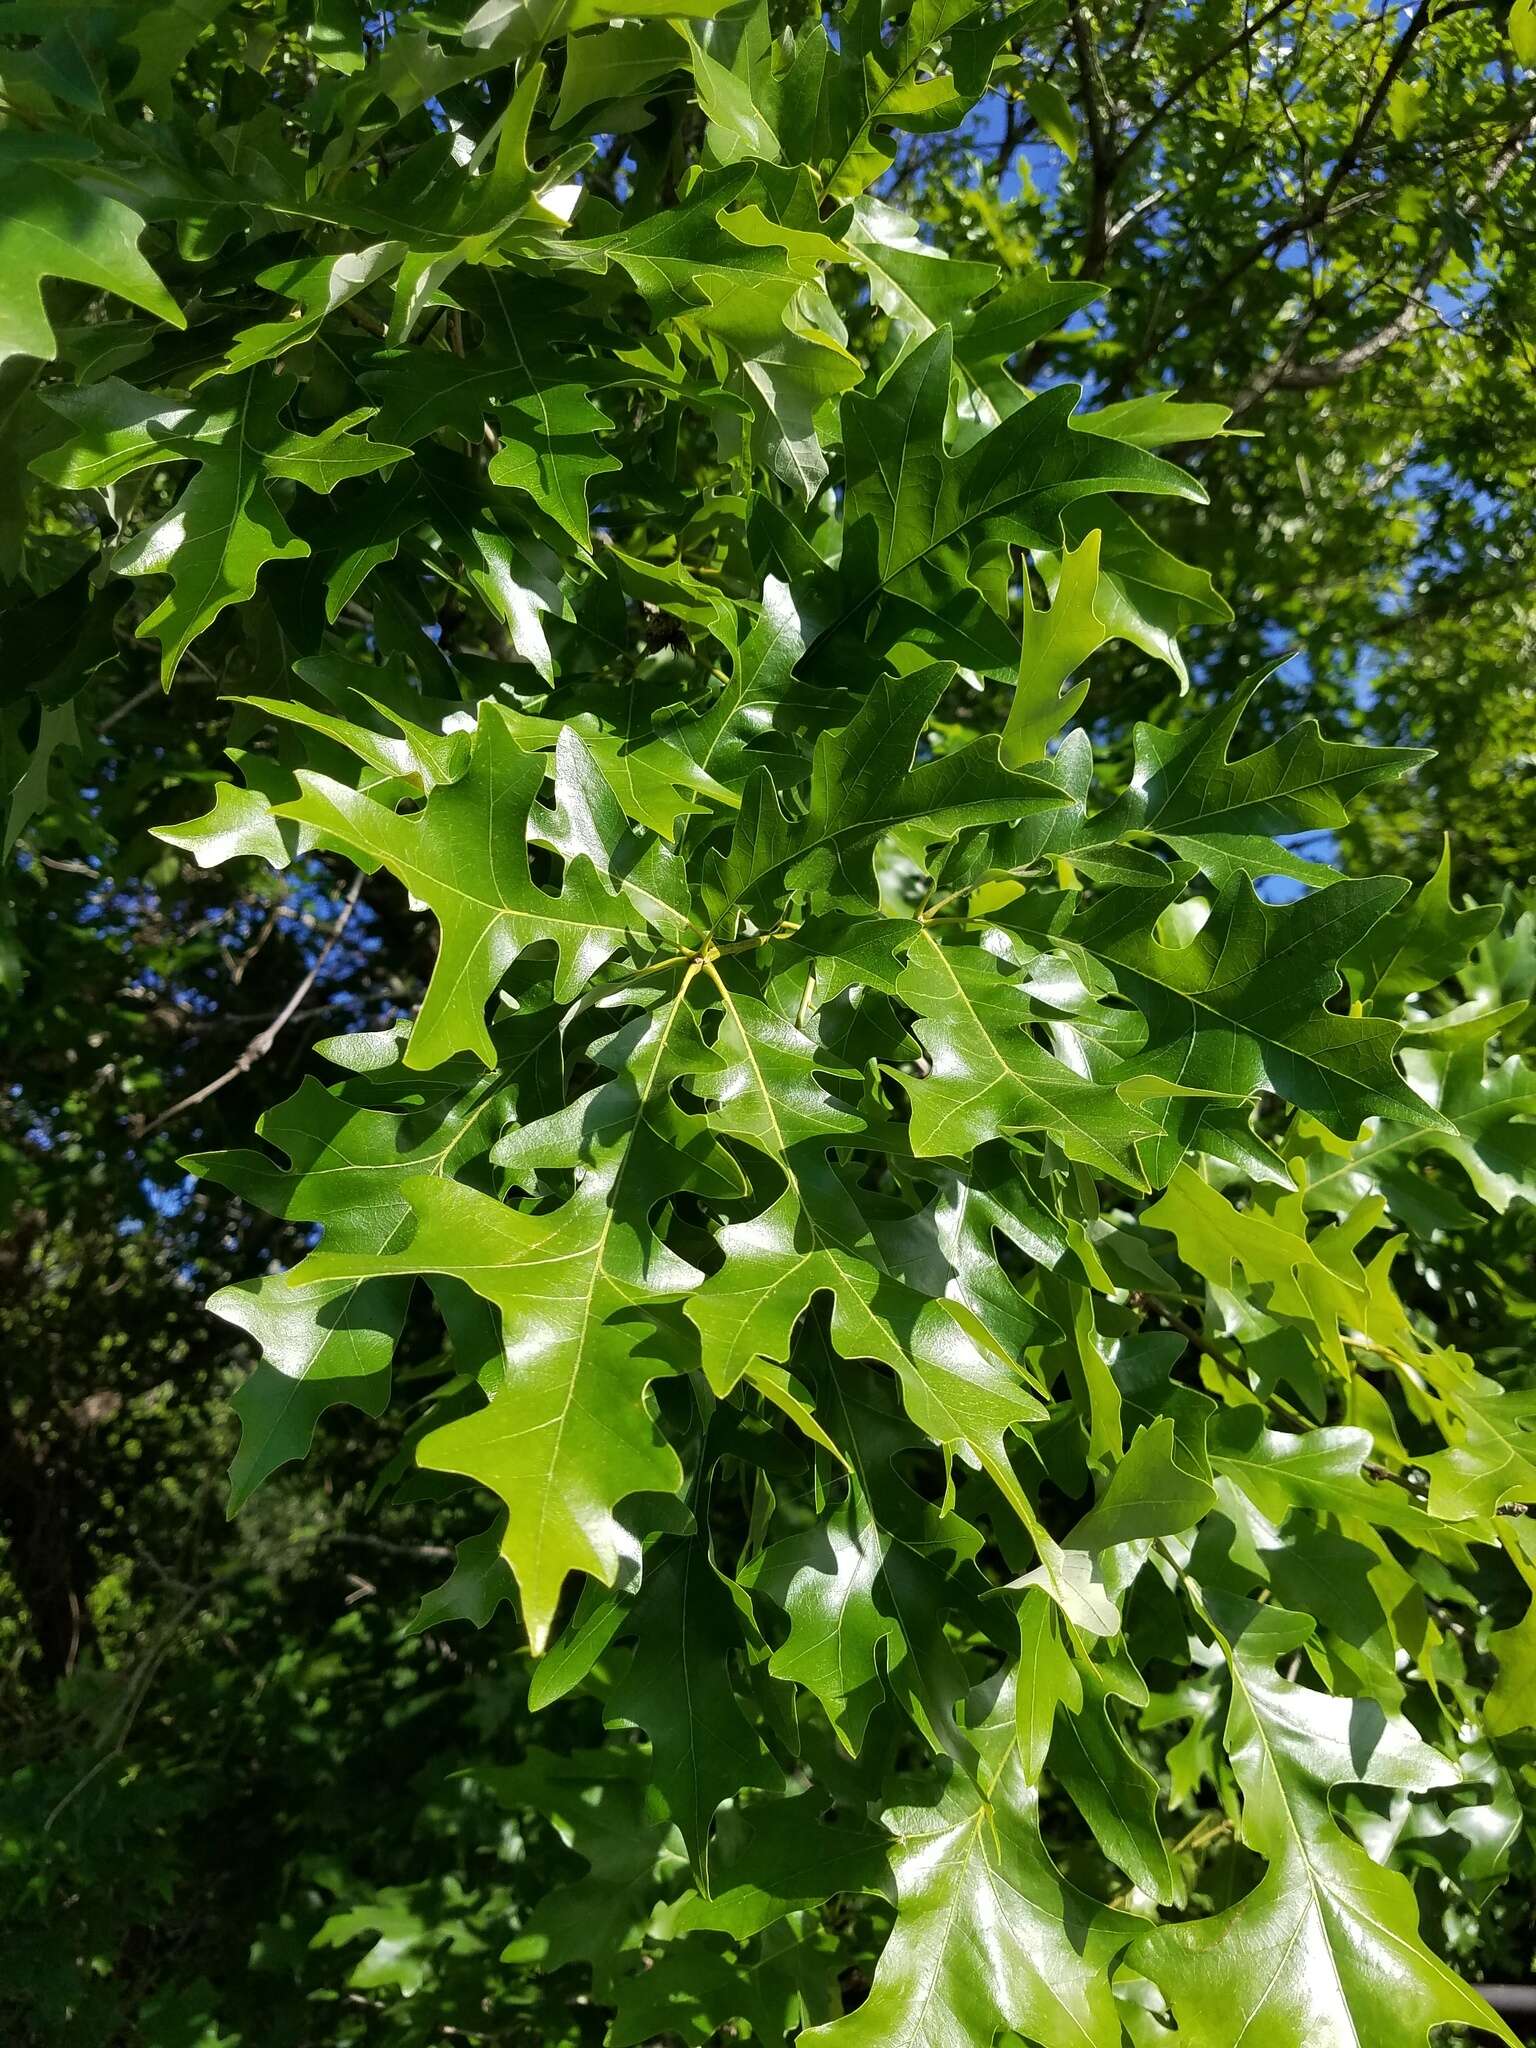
column 1317, row 211
column 266, row 1038
column 1349, row 156
column 1187, row 84
column 1283, row 374
column 129, row 704
column 1103, row 156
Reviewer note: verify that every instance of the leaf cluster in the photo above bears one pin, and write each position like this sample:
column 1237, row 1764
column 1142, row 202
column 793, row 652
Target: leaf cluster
column 916, row 1232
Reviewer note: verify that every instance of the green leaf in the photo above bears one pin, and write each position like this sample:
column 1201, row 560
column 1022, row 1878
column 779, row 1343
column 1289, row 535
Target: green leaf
column 1153, row 1491
column 864, row 784
column 57, row 227
column 1055, row 644
column 1419, row 943
column 546, row 425
column 226, row 526
column 987, row 1931
column 347, row 1167
column 1047, row 1679
column 1240, row 1005
column 1051, row 109
column 476, row 879
column 480, row 1581
column 567, row 1435
column 1225, row 815
column 595, row 1801
column 1511, row 1703
column 321, row 1344
column 678, row 1689
column 618, row 62
column 916, row 517
column 1340, row 1934
column 550, row 1443
column 1108, row 1784
column 1319, row 1469
column 778, row 1856
column 1522, row 31
column 826, row 1582
column 987, row 1075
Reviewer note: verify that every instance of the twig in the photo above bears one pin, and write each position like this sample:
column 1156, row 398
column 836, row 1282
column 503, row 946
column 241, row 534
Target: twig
column 1133, row 213
column 1202, row 70
column 1214, row 1352
column 369, row 322
column 133, row 1699
column 238, row 966
column 128, row 704
column 426, row 1553
column 1186, row 1330
column 1384, row 1474
column 1285, row 375
column 264, row 1040
column 1209, row 1828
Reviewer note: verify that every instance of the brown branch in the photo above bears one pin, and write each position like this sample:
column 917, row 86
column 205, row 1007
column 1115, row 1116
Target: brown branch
column 1202, row 70
column 1008, row 141
column 128, row 704
column 1513, row 2000
column 1102, row 153
column 238, row 966
column 1139, row 28
column 369, row 322
column 1020, row 126
column 1286, row 375
column 1155, row 1304
column 1317, row 211
column 385, row 1546
column 1187, row 1330
column 1384, row 1475
column 265, row 1039
column 1349, row 156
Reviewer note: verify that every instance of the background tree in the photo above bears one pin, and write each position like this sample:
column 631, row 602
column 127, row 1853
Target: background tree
column 1318, row 220
column 517, row 405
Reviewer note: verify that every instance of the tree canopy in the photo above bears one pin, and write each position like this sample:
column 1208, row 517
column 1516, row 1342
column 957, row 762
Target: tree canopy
column 767, row 782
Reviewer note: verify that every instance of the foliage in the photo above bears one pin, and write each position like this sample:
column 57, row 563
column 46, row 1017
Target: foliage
column 975, row 1338
column 1321, row 220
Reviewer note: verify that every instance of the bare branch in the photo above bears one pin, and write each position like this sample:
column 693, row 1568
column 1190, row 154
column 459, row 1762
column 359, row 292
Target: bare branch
column 128, row 704
column 266, row 1038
